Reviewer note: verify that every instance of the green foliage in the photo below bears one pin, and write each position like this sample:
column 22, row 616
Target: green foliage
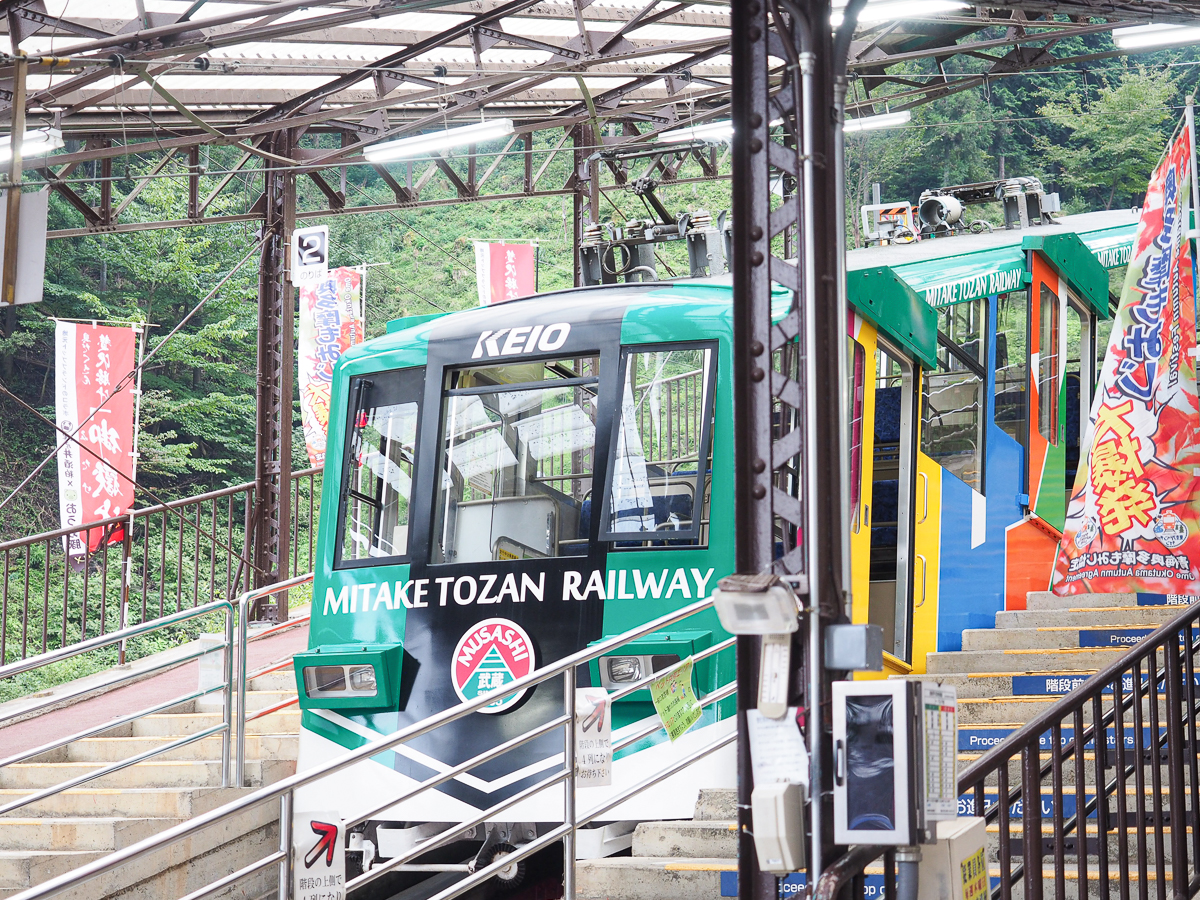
column 1105, row 148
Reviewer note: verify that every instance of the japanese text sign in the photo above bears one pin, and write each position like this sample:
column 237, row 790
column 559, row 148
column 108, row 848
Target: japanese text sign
column 330, row 323
column 1132, row 524
column 319, row 856
column 593, row 737
column 95, row 474
column 505, row 271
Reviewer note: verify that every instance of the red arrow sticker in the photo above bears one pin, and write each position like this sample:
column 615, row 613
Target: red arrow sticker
column 328, row 833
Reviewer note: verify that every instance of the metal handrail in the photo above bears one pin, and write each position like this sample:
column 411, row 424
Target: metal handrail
column 186, row 551
column 233, row 741
column 225, row 729
column 284, row 789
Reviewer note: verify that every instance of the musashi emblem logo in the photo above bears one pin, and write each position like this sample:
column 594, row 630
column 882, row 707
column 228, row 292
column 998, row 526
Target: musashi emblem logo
column 492, row 654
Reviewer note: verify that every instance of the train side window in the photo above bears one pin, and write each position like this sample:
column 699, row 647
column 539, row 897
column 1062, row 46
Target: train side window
column 1048, row 365
column 377, row 476
column 953, row 401
column 1010, row 363
column 658, row 482
column 518, row 448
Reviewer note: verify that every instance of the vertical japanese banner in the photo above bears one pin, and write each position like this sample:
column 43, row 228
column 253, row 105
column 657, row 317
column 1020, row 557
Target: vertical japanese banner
column 330, row 323
column 504, row 271
column 89, row 361
column 1132, row 521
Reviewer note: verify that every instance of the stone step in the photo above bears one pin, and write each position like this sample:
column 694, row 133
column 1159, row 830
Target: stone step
column 710, row 839
column 652, row 878
column 1135, row 616
column 717, row 803
column 996, row 661
column 1050, row 600
column 153, row 803
column 1055, row 637
column 178, row 773
column 286, row 721
column 255, row 700
column 279, row 680
column 258, row 746
column 20, row 870
column 83, row 833
column 172, row 871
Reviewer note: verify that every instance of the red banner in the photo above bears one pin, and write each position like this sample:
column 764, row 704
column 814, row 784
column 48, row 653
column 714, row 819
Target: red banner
column 95, row 475
column 505, row 271
column 330, row 323
column 1132, row 520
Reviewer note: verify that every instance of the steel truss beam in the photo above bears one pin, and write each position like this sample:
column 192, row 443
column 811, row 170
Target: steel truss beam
column 276, row 363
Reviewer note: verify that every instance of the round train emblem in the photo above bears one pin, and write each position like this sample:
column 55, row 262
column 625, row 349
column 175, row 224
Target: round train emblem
column 490, row 655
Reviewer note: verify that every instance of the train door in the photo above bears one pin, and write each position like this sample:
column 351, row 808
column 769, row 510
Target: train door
column 891, row 489
column 1046, row 445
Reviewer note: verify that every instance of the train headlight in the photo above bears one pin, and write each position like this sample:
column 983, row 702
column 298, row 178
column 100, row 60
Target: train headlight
column 624, row 669
column 350, row 676
column 362, row 678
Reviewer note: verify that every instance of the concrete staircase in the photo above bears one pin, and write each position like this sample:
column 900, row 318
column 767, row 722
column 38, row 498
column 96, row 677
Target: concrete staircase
column 683, row 859
column 57, row 834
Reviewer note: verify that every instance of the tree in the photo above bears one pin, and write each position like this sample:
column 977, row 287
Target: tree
column 1103, row 151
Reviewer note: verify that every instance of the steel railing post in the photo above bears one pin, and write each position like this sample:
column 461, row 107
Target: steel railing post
column 569, row 785
column 227, row 734
column 243, row 615
column 285, row 846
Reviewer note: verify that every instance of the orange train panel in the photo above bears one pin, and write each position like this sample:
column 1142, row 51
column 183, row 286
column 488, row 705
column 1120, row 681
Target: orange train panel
column 1028, row 560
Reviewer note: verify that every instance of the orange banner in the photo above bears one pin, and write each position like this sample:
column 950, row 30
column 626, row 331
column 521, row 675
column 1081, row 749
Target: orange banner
column 1132, row 522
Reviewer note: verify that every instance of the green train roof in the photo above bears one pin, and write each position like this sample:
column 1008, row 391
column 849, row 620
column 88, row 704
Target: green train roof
column 966, row 267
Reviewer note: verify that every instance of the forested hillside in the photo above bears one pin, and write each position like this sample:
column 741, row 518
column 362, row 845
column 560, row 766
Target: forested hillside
column 1092, row 134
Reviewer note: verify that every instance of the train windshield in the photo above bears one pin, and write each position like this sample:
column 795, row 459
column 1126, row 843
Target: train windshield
column 517, row 456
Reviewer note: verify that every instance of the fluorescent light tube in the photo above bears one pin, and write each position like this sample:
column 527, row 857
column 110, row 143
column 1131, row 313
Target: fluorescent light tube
column 33, row 143
column 424, row 144
column 1144, row 37
column 713, row 132
column 872, row 123
column 887, row 10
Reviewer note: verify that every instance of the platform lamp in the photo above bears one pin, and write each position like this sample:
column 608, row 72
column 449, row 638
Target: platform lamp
column 434, row 142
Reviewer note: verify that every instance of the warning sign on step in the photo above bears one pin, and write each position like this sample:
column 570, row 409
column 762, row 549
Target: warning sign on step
column 320, row 856
column 593, row 737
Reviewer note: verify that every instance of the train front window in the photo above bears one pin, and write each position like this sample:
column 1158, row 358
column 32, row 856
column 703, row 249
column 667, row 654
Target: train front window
column 518, row 448
column 377, row 479
column 659, row 476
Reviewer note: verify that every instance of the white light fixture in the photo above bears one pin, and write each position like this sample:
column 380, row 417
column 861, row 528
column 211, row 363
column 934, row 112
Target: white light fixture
column 713, row 132
column 887, row 10
column 33, row 143
column 873, row 123
column 423, row 144
column 1144, row 37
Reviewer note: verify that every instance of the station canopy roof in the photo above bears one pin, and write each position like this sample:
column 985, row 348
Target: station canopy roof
column 142, row 68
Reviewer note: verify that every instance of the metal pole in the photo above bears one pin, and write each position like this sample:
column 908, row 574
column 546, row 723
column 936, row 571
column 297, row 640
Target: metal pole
column 285, row 846
column 227, row 665
column 239, row 770
column 15, row 180
column 569, row 785
column 127, row 544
